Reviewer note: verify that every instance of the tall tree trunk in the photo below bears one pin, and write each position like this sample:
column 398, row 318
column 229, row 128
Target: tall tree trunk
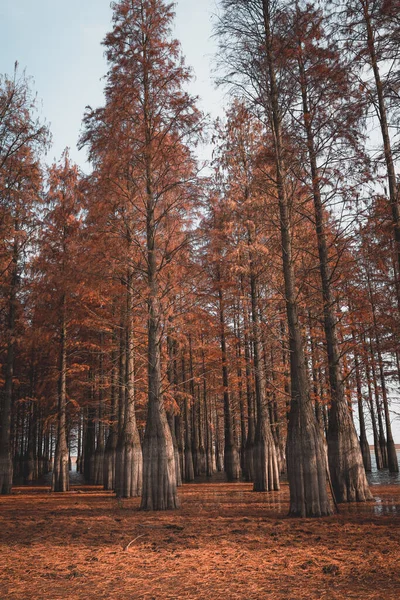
column 31, row 456
column 377, row 448
column 251, row 417
column 194, row 421
column 207, row 418
column 266, row 472
column 159, row 477
column 306, row 455
column 112, row 439
column 382, row 438
column 128, row 480
column 390, row 445
column 6, row 464
column 60, row 479
column 366, row 454
column 240, row 393
column 99, row 454
column 172, row 380
column 344, row 454
column 387, row 148
column 231, row 454
column 189, row 466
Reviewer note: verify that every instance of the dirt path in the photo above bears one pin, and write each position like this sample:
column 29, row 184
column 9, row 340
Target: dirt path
column 226, row 542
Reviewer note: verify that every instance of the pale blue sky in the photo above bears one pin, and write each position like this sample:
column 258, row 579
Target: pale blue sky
column 58, row 43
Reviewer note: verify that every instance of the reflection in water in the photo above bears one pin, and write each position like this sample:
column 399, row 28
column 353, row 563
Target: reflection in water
column 382, row 477
column 386, row 507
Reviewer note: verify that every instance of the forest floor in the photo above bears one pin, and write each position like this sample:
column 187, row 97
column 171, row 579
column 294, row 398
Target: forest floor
column 226, row 542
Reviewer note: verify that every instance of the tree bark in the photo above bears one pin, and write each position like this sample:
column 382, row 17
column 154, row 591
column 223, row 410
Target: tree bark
column 6, row 464
column 112, row 439
column 387, row 148
column 366, row 454
column 390, row 445
column 231, row 454
column 266, row 472
column 306, row 456
column 128, row 480
column 60, row 479
column 344, row 454
column 159, row 477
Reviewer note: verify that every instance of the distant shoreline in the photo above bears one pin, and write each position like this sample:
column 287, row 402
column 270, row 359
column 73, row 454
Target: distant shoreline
column 371, row 446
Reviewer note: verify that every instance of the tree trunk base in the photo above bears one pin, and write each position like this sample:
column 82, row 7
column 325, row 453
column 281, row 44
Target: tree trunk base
column 307, row 466
column 366, row 455
column 109, row 462
column 159, row 477
column 232, row 463
column 392, row 457
column 266, row 472
column 128, row 475
column 60, row 478
column 189, row 468
column 6, row 474
column 346, row 465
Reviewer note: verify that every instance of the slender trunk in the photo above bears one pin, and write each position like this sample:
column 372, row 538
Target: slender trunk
column 189, row 466
column 382, row 438
column 306, row 455
column 159, row 477
column 387, row 148
column 251, row 418
column 207, row 418
column 390, row 445
column 6, row 464
column 60, row 480
column 171, row 412
column 344, row 454
column 366, row 454
column 241, row 395
column 112, row 439
column 266, row 472
column 99, row 454
column 128, row 480
column 377, row 449
column 231, row 454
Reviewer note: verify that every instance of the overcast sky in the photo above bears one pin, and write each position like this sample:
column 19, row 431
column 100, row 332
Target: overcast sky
column 58, row 43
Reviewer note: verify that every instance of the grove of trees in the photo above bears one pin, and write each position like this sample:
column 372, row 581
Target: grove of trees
column 162, row 320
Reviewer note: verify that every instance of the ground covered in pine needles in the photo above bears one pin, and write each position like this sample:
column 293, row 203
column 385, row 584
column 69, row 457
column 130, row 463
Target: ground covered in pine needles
column 225, row 542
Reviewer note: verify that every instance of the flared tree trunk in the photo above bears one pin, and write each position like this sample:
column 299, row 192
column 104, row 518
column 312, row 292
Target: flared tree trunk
column 60, row 479
column 266, row 471
column 345, row 459
column 159, row 476
column 128, row 480
column 306, row 456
